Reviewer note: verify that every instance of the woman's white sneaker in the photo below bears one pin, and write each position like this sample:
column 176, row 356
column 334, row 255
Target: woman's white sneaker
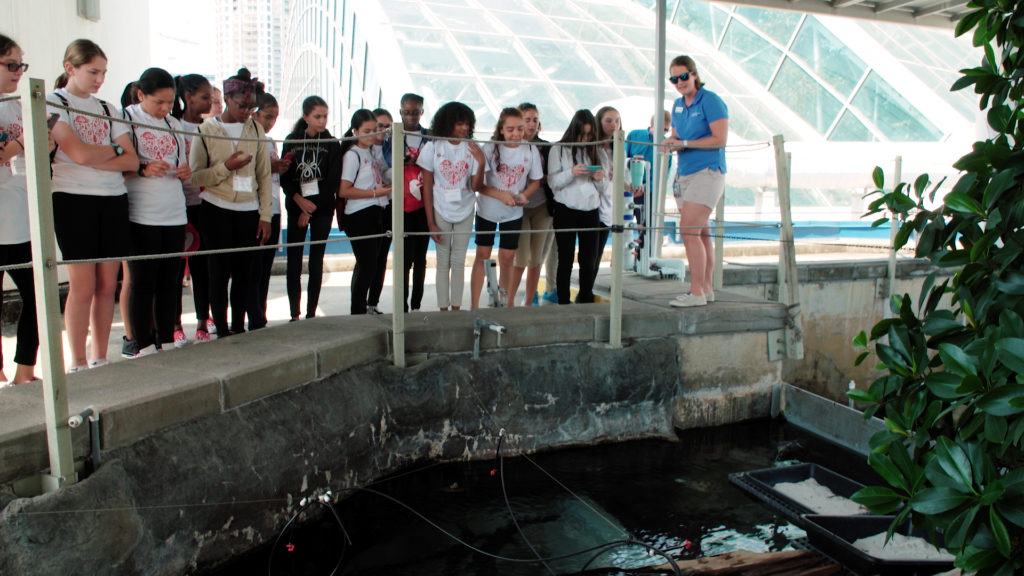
column 687, row 300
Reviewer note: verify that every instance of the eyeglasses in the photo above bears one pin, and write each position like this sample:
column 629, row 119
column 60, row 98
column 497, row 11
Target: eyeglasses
column 675, row 79
column 14, row 67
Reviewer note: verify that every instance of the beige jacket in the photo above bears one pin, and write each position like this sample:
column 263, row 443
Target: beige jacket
column 207, row 161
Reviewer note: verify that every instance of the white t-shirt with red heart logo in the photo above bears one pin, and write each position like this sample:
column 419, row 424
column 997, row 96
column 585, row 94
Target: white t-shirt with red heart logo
column 157, row 200
column 191, row 191
column 453, row 167
column 13, row 188
column 73, row 178
column 511, row 171
column 364, row 168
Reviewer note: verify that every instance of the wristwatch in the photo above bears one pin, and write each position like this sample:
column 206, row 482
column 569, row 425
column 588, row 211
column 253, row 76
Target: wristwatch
column 686, row 143
column 142, row 168
column 118, row 149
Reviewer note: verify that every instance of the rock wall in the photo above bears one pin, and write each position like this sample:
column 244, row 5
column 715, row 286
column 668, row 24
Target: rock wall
column 193, row 496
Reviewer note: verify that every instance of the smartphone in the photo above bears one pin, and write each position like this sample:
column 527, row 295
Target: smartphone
column 52, row 121
column 288, row 157
column 594, row 168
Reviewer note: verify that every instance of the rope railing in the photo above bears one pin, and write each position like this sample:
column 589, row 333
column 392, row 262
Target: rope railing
column 8, row 98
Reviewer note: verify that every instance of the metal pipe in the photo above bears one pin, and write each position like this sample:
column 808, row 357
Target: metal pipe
column 660, row 68
column 788, row 279
column 618, row 199
column 718, row 278
column 398, row 243
column 894, row 227
column 44, row 254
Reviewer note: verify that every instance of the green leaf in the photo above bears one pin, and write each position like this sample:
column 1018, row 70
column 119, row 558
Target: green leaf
column 1013, row 284
column 937, row 324
column 976, row 559
column 953, row 461
column 892, row 360
column 861, row 340
column 999, row 184
column 960, row 528
column 999, row 532
column 878, row 177
column 959, row 202
column 878, row 499
column 1011, row 353
column 937, row 500
column 995, row 429
column 887, row 470
column 999, row 401
column 957, row 361
column 944, row 385
column 861, row 357
column 1012, row 511
column 861, row 396
column 969, row 21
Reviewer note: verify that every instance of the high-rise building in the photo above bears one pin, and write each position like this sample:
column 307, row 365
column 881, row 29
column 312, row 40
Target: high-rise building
column 249, row 35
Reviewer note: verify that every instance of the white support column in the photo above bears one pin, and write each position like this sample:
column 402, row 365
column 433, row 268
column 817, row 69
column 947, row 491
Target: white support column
column 618, row 191
column 788, row 280
column 894, row 228
column 44, row 271
column 398, row 243
column 718, row 278
column 656, row 196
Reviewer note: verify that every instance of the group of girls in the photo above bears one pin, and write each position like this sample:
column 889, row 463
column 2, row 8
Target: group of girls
column 143, row 187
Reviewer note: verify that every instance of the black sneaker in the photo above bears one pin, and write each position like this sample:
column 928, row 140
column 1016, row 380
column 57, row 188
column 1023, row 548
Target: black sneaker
column 129, row 348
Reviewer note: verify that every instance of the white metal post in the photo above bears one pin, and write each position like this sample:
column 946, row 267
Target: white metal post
column 894, row 227
column 44, row 271
column 656, row 195
column 788, row 280
column 618, row 191
column 718, row 278
column 398, row 242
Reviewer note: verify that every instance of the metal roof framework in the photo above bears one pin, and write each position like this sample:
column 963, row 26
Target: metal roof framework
column 935, row 13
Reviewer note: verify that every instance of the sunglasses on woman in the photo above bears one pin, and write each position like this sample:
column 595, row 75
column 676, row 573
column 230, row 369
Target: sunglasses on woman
column 14, row 67
column 675, row 79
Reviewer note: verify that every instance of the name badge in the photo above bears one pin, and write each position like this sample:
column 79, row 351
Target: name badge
column 679, row 109
column 453, row 195
column 243, row 183
column 311, row 188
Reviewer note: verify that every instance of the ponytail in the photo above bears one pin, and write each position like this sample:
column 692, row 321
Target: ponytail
column 185, row 85
column 358, row 118
column 61, row 81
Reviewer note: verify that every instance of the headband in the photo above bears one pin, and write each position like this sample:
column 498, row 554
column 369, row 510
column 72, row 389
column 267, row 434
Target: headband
column 239, row 86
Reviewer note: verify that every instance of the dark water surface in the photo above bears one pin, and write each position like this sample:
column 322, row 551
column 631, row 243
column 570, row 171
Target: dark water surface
column 670, row 495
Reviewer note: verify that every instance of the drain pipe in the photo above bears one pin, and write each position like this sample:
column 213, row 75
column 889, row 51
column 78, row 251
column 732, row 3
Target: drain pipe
column 478, row 328
column 94, row 432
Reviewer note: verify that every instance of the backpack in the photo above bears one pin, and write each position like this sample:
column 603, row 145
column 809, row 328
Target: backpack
column 135, row 137
column 64, row 101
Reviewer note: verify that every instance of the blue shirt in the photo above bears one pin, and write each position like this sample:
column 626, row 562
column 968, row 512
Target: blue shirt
column 647, row 151
column 693, row 122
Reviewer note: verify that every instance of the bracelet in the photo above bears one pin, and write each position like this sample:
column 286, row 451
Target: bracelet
column 686, row 143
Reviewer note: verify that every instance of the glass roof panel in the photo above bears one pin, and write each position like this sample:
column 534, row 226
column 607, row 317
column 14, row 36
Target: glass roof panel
column 509, row 5
column 427, row 51
column 531, row 25
column 777, row 24
column 402, row 12
column 890, row 112
column 641, row 37
column 828, row 57
column 437, row 90
column 626, row 67
column 560, row 60
column 588, row 96
column 492, row 55
column 515, row 92
column 752, row 52
column 459, row 18
column 616, row 14
column 850, row 129
column 558, row 8
column 585, row 31
column 810, row 100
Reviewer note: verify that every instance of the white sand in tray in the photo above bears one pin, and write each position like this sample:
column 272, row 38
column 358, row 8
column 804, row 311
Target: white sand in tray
column 900, row 548
column 819, row 498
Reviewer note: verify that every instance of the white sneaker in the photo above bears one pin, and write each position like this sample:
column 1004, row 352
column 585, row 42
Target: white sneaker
column 710, row 296
column 74, row 369
column 687, row 300
column 147, row 351
column 211, row 328
column 502, row 298
column 97, row 362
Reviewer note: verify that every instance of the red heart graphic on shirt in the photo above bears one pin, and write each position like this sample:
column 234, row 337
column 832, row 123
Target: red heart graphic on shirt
column 92, row 130
column 509, row 175
column 14, row 131
column 453, row 172
column 157, row 147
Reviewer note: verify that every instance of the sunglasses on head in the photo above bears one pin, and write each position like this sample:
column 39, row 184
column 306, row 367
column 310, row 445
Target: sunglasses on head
column 16, row 66
column 684, row 77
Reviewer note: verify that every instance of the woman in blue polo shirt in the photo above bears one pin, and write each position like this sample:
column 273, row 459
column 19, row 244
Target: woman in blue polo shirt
column 700, row 128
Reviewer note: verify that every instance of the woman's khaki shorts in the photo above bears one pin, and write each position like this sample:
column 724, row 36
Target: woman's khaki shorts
column 533, row 248
column 704, row 187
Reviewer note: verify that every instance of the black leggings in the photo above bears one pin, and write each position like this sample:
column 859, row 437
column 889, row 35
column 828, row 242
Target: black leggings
column 264, row 266
column 602, row 241
column 153, row 288
column 367, row 252
column 566, row 217
column 199, row 273
column 382, row 259
column 28, row 332
column 319, row 229
column 415, row 257
column 224, row 228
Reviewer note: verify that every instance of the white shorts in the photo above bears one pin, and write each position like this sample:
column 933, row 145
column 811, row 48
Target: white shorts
column 703, row 187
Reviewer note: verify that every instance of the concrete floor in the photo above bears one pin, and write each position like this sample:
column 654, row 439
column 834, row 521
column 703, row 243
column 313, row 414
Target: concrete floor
column 335, row 300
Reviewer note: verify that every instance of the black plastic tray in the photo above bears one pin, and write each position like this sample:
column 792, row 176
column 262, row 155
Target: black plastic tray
column 834, row 535
column 760, row 484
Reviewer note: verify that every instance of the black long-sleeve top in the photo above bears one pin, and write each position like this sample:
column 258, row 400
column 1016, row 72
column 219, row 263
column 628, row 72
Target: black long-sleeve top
column 320, row 161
